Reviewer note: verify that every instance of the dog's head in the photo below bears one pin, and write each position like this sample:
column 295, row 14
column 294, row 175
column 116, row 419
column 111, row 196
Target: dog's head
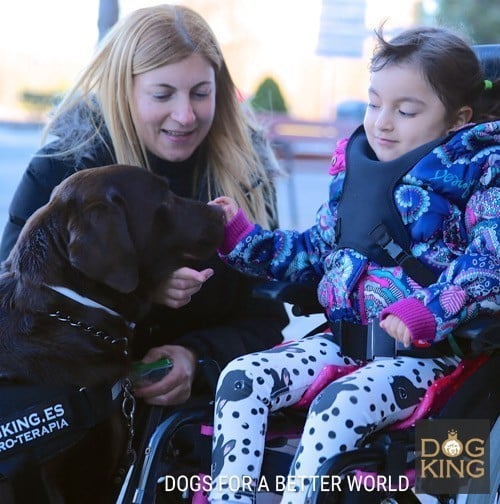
column 122, row 226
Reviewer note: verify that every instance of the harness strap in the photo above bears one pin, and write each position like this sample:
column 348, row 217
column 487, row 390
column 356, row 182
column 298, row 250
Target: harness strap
column 379, row 233
column 38, row 422
column 417, row 270
column 75, row 296
column 365, row 342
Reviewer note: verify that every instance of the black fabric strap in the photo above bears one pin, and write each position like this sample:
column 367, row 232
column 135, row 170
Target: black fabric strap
column 367, row 217
column 38, row 422
column 417, row 270
column 365, row 342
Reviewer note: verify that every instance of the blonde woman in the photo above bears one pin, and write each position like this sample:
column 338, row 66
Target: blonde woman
column 158, row 94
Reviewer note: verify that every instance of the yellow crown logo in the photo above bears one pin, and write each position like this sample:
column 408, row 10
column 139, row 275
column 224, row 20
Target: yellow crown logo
column 452, row 446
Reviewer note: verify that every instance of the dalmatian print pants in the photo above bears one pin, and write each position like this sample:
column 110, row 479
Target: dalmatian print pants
column 340, row 417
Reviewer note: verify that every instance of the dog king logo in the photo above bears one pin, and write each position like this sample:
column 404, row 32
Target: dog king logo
column 452, row 457
column 452, row 447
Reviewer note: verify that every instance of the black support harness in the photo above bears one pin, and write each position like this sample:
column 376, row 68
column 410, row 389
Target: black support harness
column 368, row 220
column 39, row 422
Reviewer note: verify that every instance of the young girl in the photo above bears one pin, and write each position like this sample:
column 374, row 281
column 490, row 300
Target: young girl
column 421, row 263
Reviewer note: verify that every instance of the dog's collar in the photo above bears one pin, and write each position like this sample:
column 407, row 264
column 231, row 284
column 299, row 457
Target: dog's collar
column 74, row 296
column 71, row 294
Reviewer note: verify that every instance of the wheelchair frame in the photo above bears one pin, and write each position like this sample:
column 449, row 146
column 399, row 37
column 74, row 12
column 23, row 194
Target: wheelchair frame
column 385, row 452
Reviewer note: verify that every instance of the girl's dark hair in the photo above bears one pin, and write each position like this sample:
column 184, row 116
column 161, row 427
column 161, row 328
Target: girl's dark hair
column 449, row 64
column 489, row 59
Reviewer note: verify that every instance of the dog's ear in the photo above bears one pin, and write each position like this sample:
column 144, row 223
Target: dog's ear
column 100, row 246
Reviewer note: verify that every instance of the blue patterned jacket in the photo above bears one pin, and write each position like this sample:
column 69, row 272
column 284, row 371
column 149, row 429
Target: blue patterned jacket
column 449, row 202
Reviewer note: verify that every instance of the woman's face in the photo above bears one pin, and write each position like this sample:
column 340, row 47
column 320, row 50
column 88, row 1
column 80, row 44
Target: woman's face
column 175, row 107
column 403, row 112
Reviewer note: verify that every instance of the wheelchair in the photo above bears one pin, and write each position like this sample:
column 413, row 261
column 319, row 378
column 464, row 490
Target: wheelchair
column 176, row 445
column 391, row 451
column 173, row 463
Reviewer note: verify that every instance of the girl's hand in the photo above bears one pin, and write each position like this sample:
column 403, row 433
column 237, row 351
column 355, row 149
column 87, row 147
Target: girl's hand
column 227, row 204
column 176, row 290
column 397, row 329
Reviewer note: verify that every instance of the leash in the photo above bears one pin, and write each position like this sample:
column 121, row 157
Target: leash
column 128, row 411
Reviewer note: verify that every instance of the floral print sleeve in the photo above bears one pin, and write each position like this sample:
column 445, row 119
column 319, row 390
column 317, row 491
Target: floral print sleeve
column 471, row 283
column 469, row 239
column 284, row 255
column 290, row 255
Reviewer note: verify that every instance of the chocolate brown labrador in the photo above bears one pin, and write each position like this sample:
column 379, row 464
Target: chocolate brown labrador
column 84, row 267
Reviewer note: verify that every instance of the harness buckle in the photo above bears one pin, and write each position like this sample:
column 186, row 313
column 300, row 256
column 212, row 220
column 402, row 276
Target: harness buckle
column 379, row 343
column 395, row 251
column 421, row 273
column 364, row 342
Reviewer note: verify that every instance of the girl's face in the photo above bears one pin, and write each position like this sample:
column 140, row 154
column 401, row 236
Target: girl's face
column 175, row 107
column 403, row 112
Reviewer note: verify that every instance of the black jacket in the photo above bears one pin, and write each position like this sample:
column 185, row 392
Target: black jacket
column 222, row 321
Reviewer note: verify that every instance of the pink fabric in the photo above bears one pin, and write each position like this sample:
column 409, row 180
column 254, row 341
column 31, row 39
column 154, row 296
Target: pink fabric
column 201, row 496
column 337, row 164
column 440, row 391
column 236, row 229
column 415, row 315
column 327, row 375
column 207, row 430
column 434, row 399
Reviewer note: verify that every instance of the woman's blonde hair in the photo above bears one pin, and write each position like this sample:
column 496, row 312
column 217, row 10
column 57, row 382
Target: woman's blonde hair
column 152, row 37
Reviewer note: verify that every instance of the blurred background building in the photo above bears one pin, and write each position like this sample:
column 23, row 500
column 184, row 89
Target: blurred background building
column 316, row 51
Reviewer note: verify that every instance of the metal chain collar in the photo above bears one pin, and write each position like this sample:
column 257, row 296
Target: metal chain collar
column 91, row 330
column 128, row 403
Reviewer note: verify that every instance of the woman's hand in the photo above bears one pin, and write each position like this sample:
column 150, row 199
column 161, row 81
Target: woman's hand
column 227, row 204
column 396, row 328
column 175, row 387
column 176, row 290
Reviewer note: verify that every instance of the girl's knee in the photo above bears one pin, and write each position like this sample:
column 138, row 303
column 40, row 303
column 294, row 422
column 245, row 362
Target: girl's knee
column 234, row 384
column 340, row 393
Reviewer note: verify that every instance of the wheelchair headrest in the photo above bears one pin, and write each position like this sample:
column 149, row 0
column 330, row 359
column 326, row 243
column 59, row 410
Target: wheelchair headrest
column 489, row 57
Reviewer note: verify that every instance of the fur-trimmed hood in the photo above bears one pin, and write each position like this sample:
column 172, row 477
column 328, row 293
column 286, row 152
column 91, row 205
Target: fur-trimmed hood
column 84, row 126
column 81, row 133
